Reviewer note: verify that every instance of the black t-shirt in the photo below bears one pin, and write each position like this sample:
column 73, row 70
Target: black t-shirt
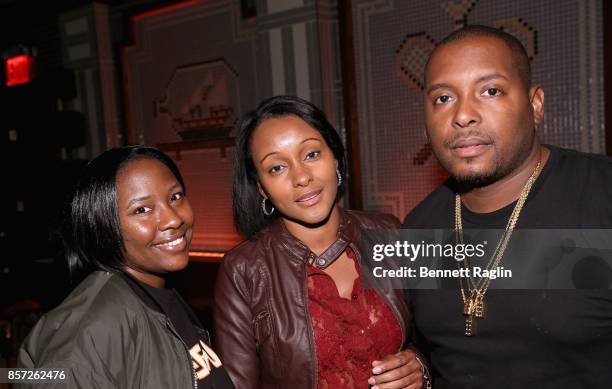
column 529, row 338
column 207, row 366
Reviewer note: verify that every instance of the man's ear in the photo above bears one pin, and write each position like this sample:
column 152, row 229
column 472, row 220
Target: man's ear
column 536, row 99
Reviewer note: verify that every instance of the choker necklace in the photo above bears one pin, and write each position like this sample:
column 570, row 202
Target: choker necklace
column 473, row 300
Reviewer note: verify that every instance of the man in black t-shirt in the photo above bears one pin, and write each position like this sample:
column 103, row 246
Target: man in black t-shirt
column 481, row 110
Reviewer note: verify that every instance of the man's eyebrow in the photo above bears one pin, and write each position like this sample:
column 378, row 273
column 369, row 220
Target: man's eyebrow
column 485, row 78
column 433, row 87
column 492, row 76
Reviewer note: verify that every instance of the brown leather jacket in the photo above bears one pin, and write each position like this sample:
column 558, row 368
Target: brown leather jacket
column 263, row 328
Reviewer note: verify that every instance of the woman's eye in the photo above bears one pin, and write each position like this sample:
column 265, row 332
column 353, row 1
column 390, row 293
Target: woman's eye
column 275, row 169
column 442, row 99
column 492, row 92
column 313, row 155
column 177, row 196
column 141, row 210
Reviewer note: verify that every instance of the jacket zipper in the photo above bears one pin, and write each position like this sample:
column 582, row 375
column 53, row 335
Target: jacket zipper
column 393, row 308
column 313, row 349
column 194, row 376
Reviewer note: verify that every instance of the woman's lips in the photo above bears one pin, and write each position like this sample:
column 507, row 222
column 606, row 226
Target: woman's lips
column 177, row 245
column 309, row 199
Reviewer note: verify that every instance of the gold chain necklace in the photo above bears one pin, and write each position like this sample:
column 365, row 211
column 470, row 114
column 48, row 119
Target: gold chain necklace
column 474, row 304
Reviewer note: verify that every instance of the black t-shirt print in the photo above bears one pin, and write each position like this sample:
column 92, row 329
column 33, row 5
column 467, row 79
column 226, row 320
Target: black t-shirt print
column 207, row 365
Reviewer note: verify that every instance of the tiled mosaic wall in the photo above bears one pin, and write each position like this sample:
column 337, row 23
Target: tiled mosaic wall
column 392, row 41
column 196, row 67
column 208, row 177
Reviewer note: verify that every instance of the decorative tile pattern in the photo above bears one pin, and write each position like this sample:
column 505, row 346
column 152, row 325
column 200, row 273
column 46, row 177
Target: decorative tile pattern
column 411, row 59
column 564, row 39
column 194, row 68
column 458, row 10
column 523, row 32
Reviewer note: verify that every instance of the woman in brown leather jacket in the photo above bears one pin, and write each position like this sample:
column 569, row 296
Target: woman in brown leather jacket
column 290, row 310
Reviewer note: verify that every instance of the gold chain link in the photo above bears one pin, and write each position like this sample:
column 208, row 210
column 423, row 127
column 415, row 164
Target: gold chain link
column 474, row 305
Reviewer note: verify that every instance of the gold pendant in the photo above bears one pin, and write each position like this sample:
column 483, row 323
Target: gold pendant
column 469, row 325
column 479, row 307
column 473, row 308
column 468, row 306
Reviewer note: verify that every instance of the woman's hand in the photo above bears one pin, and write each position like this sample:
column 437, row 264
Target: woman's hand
column 401, row 370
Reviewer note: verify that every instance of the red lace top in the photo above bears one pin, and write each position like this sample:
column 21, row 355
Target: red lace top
column 349, row 334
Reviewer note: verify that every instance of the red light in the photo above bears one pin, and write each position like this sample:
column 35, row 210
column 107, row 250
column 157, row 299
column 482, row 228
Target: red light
column 165, row 9
column 206, row 256
column 19, row 70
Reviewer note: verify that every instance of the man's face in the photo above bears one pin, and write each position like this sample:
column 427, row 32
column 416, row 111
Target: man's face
column 479, row 116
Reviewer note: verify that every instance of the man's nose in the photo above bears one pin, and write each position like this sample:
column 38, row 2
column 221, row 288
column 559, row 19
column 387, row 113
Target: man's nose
column 466, row 113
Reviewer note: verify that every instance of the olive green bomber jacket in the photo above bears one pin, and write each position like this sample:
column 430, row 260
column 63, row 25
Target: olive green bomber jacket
column 108, row 338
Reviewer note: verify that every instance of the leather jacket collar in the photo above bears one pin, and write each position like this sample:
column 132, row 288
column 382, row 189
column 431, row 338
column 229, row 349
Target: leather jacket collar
column 298, row 250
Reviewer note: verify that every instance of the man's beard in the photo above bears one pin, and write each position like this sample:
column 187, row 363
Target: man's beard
column 501, row 167
column 478, row 180
column 499, row 171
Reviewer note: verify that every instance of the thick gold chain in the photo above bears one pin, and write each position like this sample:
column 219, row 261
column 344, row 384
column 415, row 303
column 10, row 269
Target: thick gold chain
column 474, row 304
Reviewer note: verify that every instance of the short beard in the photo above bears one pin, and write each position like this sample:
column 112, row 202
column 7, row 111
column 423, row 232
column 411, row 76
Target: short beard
column 480, row 180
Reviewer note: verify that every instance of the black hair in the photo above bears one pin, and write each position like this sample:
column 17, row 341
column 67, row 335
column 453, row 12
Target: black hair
column 92, row 231
column 519, row 54
column 248, row 214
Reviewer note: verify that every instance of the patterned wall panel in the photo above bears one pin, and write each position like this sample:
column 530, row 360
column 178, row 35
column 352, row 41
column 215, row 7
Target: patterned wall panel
column 392, row 41
column 196, row 66
column 208, row 177
column 87, row 50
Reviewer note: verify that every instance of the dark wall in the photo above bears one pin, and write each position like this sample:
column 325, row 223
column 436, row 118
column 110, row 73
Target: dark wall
column 40, row 136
